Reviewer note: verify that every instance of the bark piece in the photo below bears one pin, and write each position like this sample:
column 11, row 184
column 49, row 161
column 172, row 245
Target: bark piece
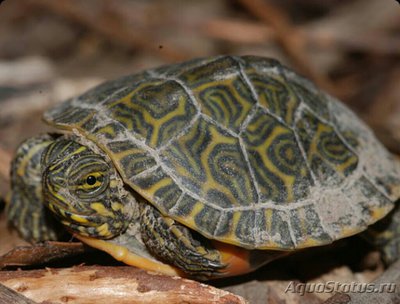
column 122, row 284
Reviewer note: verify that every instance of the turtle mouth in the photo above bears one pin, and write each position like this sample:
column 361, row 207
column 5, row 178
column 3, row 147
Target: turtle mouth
column 103, row 216
column 98, row 223
column 100, row 218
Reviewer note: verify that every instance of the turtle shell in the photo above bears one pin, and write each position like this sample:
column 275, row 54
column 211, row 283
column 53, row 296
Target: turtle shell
column 240, row 149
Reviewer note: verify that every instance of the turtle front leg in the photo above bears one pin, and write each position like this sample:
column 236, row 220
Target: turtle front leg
column 385, row 235
column 25, row 208
column 198, row 257
column 176, row 245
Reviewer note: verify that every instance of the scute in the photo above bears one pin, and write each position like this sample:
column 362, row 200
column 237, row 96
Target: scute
column 330, row 158
column 209, row 162
column 276, row 158
column 271, row 87
column 161, row 110
column 240, row 149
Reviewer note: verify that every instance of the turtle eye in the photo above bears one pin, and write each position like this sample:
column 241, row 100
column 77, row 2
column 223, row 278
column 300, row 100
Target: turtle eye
column 91, row 180
column 92, row 184
column 88, row 177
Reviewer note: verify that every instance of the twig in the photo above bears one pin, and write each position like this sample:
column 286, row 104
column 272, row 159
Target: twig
column 41, row 253
column 123, row 284
column 5, row 161
column 322, row 37
column 237, row 31
column 109, row 26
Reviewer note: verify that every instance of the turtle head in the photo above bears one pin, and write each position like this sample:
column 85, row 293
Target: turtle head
column 83, row 190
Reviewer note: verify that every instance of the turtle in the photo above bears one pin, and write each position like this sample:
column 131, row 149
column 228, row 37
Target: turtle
column 207, row 168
